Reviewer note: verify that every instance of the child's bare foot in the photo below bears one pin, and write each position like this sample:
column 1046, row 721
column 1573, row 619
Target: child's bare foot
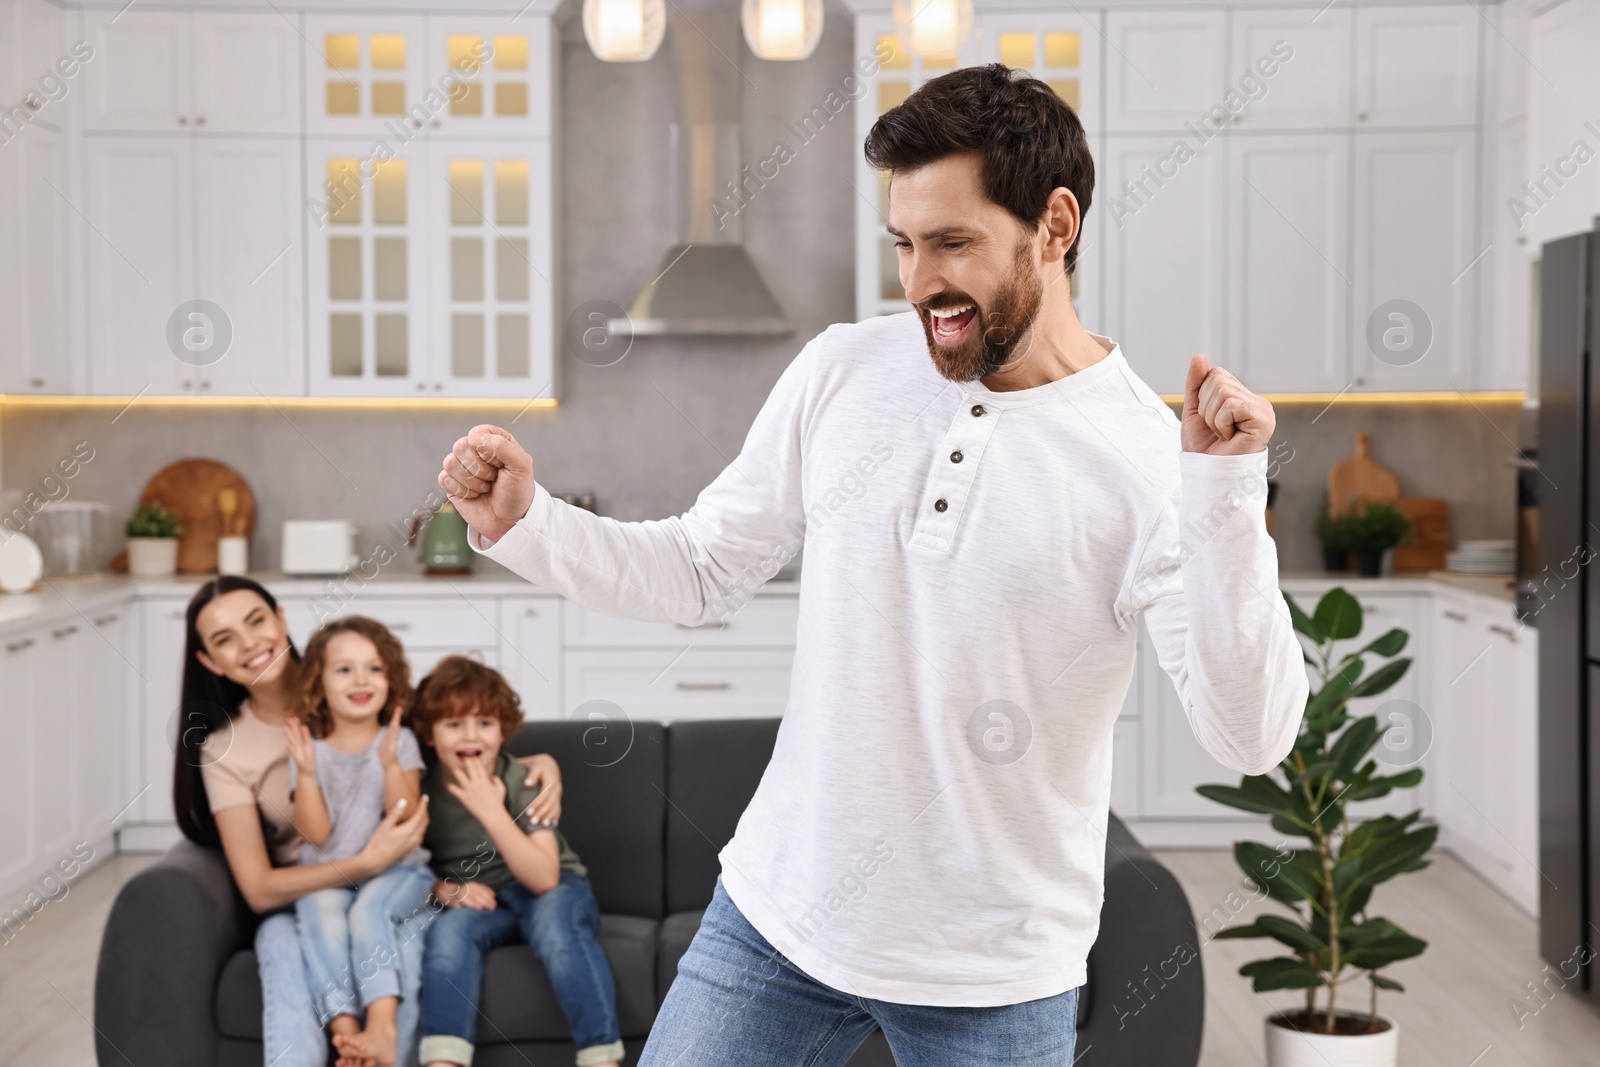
column 350, row 1053
column 378, row 1042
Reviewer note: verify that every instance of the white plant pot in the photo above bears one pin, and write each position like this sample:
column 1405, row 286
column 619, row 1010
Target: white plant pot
column 152, row 557
column 1291, row 1048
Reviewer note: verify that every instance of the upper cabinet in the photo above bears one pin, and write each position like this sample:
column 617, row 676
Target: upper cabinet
column 467, row 75
column 169, row 71
column 1417, row 66
column 1164, row 69
column 1293, row 70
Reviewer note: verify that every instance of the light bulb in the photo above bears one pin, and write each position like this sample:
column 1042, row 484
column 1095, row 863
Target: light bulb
column 781, row 29
column 933, row 27
column 624, row 31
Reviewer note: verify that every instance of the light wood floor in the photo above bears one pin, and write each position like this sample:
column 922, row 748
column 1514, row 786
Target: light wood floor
column 1456, row 1012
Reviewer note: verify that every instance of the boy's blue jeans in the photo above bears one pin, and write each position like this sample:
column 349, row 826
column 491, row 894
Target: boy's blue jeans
column 739, row 1002
column 561, row 926
column 350, row 938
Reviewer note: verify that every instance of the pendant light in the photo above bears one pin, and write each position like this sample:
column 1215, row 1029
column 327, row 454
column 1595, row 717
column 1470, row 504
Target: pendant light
column 782, row 29
column 624, row 31
column 933, row 27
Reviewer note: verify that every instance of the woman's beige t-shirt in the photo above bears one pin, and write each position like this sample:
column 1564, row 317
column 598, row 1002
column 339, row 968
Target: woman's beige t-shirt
column 247, row 762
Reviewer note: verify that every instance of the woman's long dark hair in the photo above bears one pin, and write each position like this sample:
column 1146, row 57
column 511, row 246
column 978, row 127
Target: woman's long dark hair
column 208, row 702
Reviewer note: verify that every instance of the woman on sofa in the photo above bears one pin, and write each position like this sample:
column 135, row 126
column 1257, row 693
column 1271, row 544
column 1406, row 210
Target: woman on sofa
column 231, row 791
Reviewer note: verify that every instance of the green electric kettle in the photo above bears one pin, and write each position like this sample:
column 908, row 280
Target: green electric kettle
column 444, row 545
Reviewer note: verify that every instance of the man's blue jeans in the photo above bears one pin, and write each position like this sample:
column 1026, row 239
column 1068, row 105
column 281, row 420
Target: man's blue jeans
column 350, row 938
column 739, row 1002
column 561, row 926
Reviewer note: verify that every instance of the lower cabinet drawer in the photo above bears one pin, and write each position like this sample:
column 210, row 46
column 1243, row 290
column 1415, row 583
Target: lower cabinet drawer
column 764, row 621
column 667, row 684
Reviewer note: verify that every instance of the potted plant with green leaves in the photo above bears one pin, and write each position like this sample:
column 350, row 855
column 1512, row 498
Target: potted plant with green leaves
column 152, row 532
column 1334, row 534
column 1331, row 937
column 1375, row 527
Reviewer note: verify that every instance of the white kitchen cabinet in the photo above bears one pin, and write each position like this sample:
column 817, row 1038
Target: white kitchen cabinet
column 1172, row 761
column 762, row 622
column 36, row 351
column 431, row 274
column 363, row 71
column 1311, row 89
column 1164, row 69
column 1289, row 261
column 1417, row 65
column 182, row 219
column 247, row 261
column 161, row 632
column 139, row 194
column 430, row 628
column 1487, row 722
column 1415, row 238
column 1165, row 255
column 60, row 738
column 171, row 71
column 21, row 654
column 530, row 652
column 109, row 687
column 690, row 682
column 510, row 91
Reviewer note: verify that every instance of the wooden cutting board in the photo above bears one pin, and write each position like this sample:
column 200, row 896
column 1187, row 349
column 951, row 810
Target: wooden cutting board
column 189, row 488
column 1430, row 534
column 1359, row 476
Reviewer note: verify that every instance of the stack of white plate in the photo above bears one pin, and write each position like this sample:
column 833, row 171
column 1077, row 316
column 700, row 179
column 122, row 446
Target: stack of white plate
column 1483, row 557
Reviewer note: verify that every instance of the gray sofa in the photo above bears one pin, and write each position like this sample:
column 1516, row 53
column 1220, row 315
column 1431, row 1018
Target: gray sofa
column 647, row 806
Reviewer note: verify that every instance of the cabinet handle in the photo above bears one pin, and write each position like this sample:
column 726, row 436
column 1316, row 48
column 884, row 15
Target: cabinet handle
column 697, row 686
column 205, row 383
column 422, row 385
column 398, row 625
column 104, row 619
column 187, row 384
column 199, row 120
column 531, row 613
column 27, row 642
column 1505, row 632
column 438, row 385
column 1455, row 616
column 1361, row 116
column 179, row 613
column 65, row 631
column 723, row 625
column 183, row 120
column 37, row 383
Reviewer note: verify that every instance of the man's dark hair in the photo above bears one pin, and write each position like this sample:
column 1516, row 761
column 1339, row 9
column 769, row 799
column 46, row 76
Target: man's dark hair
column 1030, row 139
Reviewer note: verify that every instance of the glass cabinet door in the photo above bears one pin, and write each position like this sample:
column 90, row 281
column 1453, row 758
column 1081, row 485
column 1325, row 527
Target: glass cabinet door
column 503, row 75
column 367, row 273
column 492, row 253
column 365, row 75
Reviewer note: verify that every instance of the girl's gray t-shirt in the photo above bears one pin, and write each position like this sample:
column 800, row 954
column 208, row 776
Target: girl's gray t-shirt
column 352, row 787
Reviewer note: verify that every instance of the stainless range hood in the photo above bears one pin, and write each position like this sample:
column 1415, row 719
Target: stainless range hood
column 706, row 284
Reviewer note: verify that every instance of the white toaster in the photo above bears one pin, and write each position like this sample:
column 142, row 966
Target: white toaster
column 321, row 546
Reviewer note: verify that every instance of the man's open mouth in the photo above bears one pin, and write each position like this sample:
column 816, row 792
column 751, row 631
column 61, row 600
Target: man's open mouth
column 951, row 325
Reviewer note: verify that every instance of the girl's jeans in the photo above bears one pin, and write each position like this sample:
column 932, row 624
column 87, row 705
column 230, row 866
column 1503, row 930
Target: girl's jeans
column 291, row 1035
column 739, row 1002
column 350, row 938
column 561, row 926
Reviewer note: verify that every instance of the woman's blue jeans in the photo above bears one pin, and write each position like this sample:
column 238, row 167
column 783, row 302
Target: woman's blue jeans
column 739, row 1002
column 291, row 1034
column 350, row 937
column 561, row 926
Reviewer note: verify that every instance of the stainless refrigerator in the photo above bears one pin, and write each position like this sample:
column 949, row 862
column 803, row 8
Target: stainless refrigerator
column 1558, row 592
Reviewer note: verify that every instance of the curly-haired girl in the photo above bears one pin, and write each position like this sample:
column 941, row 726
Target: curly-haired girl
column 352, row 762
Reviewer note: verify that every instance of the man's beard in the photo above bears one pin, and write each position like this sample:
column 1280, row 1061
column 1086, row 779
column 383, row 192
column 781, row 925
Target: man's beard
column 993, row 335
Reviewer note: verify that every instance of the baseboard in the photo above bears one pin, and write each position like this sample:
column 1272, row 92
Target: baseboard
column 148, row 837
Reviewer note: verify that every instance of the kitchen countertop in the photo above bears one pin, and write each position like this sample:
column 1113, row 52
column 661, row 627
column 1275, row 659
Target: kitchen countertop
column 65, row 598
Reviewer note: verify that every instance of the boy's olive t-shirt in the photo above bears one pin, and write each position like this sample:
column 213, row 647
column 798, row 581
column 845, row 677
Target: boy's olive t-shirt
column 460, row 846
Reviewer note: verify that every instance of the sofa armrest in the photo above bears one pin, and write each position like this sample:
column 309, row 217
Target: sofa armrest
column 1146, row 987
column 170, row 931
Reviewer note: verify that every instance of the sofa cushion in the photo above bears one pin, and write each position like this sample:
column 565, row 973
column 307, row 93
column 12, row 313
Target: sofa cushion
column 713, row 768
column 613, row 803
column 676, row 933
column 519, row 1005
column 517, row 1001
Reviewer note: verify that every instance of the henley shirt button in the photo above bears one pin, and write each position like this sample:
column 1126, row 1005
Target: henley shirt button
column 940, row 505
column 955, row 457
column 977, row 410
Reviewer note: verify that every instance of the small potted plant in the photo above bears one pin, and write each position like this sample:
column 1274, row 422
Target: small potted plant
column 152, row 532
column 1375, row 527
column 1325, row 880
column 1334, row 533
